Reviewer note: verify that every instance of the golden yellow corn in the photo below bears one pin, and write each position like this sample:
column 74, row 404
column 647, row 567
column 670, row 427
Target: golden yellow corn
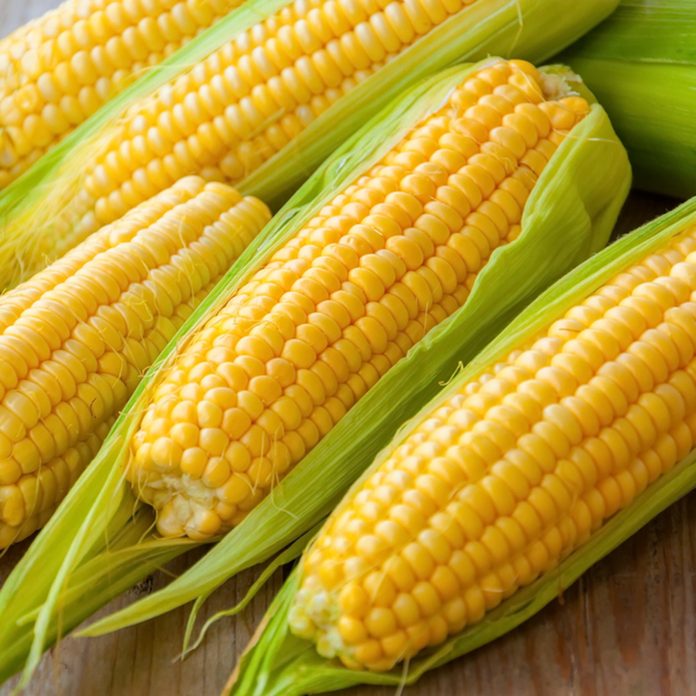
column 58, row 70
column 75, row 340
column 511, row 472
column 391, row 256
column 249, row 98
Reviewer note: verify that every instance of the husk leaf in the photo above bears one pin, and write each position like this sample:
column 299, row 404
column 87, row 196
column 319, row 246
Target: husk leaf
column 641, row 64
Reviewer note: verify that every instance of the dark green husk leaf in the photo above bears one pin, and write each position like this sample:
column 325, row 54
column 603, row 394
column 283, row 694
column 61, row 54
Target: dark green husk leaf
column 32, row 205
column 641, row 64
column 278, row 663
column 569, row 216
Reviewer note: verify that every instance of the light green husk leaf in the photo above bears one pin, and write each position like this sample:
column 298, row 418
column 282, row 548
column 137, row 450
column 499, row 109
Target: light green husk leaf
column 32, row 206
column 278, row 663
column 641, row 64
column 289, row 554
column 568, row 216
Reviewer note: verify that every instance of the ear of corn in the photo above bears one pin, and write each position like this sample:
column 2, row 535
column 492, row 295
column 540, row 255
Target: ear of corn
column 60, row 68
column 567, row 216
column 463, row 531
column 641, row 64
column 342, row 300
column 77, row 337
column 275, row 87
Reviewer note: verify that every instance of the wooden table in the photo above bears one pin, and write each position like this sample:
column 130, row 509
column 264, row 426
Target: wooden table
column 627, row 627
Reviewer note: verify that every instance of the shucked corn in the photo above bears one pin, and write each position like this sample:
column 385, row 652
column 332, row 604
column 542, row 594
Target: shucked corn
column 251, row 97
column 75, row 340
column 391, row 256
column 59, row 69
column 511, row 472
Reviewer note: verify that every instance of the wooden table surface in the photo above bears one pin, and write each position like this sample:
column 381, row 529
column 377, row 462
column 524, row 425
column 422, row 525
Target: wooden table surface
column 627, row 627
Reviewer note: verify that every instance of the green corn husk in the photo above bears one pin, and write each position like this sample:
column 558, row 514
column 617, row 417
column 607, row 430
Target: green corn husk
column 568, row 216
column 38, row 216
column 641, row 64
column 277, row 663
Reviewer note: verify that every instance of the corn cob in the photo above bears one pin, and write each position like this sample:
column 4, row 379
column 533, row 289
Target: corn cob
column 250, row 98
column 59, row 69
column 511, row 472
column 77, row 337
column 337, row 305
column 273, row 87
column 579, row 191
column 640, row 60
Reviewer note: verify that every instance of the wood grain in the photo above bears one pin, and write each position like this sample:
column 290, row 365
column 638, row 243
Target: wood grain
column 627, row 627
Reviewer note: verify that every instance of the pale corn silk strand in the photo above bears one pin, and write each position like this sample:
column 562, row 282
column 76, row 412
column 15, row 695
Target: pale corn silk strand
column 76, row 339
column 235, row 109
column 391, row 256
column 512, row 472
column 57, row 70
